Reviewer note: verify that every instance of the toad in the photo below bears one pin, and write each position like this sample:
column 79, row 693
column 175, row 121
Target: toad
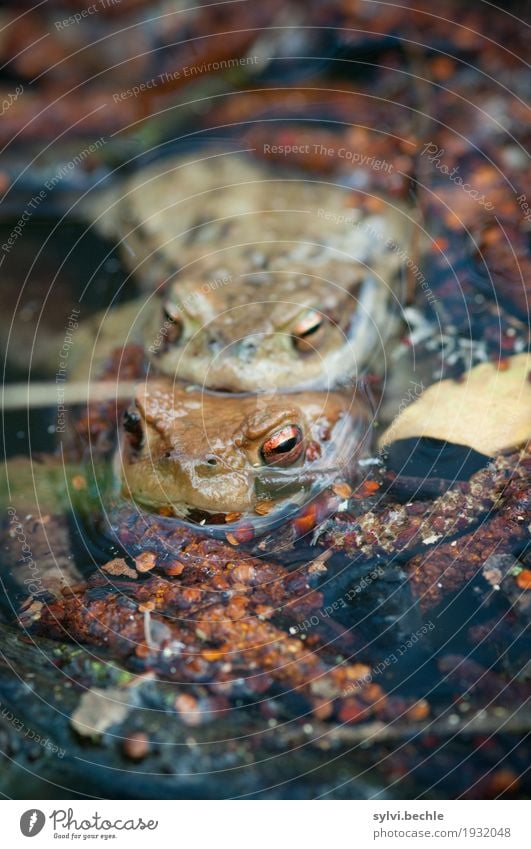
column 185, row 450
column 265, row 281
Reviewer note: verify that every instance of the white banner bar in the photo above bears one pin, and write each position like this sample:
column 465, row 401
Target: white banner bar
column 254, row 825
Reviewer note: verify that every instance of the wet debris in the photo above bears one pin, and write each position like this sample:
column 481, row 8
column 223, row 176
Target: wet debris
column 450, row 565
column 392, row 528
column 220, row 632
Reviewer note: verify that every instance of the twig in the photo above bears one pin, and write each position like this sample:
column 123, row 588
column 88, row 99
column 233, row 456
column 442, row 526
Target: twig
column 17, row 396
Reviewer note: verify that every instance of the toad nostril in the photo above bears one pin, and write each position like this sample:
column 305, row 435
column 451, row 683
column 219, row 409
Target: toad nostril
column 215, row 343
column 208, row 468
column 246, row 349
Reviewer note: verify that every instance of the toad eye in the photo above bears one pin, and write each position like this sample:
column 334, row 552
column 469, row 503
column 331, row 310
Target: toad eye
column 308, row 332
column 132, row 423
column 284, row 447
column 173, row 323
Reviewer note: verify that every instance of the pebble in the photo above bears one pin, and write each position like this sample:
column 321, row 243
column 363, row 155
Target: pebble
column 136, row 747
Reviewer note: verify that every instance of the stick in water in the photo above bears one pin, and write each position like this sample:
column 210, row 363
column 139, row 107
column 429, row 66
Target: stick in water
column 17, row 396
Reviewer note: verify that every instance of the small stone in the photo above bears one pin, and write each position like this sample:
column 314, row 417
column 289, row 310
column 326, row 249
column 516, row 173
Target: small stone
column 342, row 489
column 351, row 711
column 232, row 517
column 245, row 533
column 136, row 746
column 503, row 780
column 231, row 539
column 119, row 568
column 497, row 567
column 243, row 573
column 322, row 709
column 188, row 709
column 142, row 650
column 174, row 569
column 419, row 711
column 523, row 579
column 306, row 520
column 146, row 561
column 212, row 655
column 366, row 489
column 31, row 612
column 432, row 539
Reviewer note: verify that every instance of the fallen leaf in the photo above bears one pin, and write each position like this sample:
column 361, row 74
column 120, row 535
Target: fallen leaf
column 489, row 409
column 99, row 709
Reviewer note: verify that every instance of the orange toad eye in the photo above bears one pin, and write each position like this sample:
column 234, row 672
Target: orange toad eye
column 173, row 323
column 309, row 331
column 284, row 447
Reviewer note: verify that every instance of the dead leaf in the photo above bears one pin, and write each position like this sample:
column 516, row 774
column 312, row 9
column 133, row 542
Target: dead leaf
column 489, row 409
column 99, row 709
